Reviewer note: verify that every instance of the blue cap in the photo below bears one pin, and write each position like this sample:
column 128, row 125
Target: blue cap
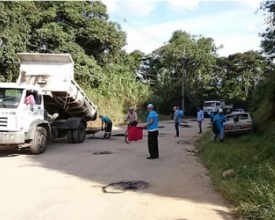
column 150, row 106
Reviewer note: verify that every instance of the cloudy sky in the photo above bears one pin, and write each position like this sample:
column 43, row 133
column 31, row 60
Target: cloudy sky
column 150, row 23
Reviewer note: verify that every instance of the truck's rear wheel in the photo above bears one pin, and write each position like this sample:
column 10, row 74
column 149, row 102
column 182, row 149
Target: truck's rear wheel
column 79, row 134
column 39, row 142
column 70, row 136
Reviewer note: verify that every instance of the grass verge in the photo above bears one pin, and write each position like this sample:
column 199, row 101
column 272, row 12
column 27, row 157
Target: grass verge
column 252, row 157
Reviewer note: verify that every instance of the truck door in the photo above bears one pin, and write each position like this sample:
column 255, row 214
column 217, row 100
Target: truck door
column 35, row 108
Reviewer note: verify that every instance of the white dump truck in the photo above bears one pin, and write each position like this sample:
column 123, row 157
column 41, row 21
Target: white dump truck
column 214, row 105
column 60, row 108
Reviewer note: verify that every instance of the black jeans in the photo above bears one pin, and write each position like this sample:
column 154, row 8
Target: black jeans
column 108, row 130
column 153, row 145
column 199, row 124
column 177, row 129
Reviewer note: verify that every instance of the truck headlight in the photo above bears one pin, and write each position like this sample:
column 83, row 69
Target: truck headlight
column 9, row 136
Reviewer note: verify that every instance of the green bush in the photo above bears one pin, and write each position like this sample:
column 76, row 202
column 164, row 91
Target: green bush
column 117, row 90
column 252, row 159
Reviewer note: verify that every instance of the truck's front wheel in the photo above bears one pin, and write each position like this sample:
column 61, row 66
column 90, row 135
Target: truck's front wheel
column 79, row 134
column 39, row 142
column 70, row 136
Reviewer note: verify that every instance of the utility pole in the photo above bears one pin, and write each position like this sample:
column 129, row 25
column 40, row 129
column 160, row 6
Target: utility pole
column 183, row 60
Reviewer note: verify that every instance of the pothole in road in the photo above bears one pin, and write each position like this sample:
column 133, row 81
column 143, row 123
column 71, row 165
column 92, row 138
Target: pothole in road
column 123, row 186
column 102, row 153
column 184, row 142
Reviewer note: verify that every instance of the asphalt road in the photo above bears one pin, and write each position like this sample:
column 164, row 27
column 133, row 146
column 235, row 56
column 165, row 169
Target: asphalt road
column 66, row 181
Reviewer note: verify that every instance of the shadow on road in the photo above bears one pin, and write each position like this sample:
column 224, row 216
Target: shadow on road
column 174, row 175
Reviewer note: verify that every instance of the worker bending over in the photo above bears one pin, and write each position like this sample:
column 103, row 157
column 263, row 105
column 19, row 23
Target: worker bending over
column 106, row 125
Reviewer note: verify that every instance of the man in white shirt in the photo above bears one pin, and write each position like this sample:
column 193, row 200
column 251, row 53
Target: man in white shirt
column 132, row 117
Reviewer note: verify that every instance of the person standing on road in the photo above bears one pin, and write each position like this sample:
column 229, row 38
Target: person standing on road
column 108, row 126
column 177, row 120
column 152, row 127
column 200, row 117
column 218, row 121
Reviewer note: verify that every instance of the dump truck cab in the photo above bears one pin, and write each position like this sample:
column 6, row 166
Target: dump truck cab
column 18, row 121
column 49, row 78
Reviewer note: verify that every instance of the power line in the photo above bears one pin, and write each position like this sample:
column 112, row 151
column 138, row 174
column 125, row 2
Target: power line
column 130, row 24
column 125, row 21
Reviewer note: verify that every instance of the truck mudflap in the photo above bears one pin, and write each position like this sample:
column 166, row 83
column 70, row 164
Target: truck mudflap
column 10, row 138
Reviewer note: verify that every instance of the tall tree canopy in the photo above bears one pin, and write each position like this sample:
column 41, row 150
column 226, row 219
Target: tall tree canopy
column 79, row 28
column 207, row 75
column 268, row 36
column 84, row 30
column 196, row 53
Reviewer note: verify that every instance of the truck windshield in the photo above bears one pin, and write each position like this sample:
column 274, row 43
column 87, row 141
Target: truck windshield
column 209, row 104
column 10, row 97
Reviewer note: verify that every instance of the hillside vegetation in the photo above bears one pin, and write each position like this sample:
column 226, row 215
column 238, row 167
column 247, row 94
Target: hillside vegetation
column 109, row 74
column 82, row 29
column 252, row 157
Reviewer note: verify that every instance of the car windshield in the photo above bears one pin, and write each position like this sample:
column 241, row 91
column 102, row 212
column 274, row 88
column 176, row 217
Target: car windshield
column 230, row 118
column 209, row 104
column 10, row 97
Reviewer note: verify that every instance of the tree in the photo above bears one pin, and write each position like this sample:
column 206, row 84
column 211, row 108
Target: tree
column 268, row 43
column 241, row 72
column 79, row 28
column 166, row 65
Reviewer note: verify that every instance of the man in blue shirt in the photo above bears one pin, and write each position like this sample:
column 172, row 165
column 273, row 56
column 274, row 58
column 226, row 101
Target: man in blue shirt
column 108, row 126
column 200, row 117
column 152, row 127
column 218, row 120
column 177, row 120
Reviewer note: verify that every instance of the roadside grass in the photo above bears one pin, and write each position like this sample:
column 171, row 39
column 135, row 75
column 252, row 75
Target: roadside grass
column 252, row 157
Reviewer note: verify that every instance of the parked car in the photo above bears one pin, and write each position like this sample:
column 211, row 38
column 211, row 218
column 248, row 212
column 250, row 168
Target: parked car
column 239, row 123
column 235, row 111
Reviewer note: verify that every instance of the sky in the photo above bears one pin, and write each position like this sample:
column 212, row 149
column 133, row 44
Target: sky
column 150, row 23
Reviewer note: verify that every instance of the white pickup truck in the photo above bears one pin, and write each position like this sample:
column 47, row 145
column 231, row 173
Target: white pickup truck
column 214, row 106
column 61, row 107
